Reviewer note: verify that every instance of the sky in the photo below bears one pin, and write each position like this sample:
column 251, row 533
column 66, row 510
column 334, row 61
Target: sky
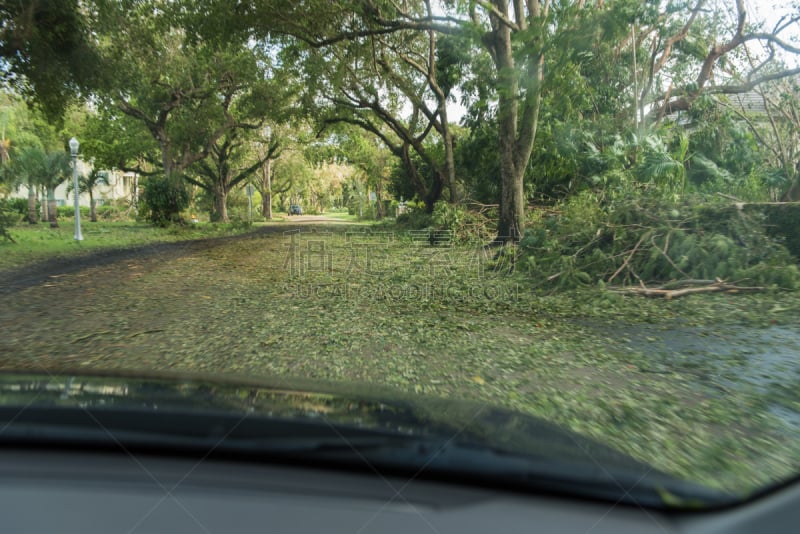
column 771, row 12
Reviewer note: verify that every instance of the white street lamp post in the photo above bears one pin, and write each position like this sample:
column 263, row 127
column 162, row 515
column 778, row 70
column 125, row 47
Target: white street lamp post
column 73, row 148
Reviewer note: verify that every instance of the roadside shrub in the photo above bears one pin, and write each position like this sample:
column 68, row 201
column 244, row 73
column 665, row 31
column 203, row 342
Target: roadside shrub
column 116, row 212
column 163, row 200
column 18, row 205
column 414, row 220
column 465, row 225
column 239, row 223
column 237, row 204
column 783, row 222
column 8, row 218
column 447, row 216
column 109, row 212
column 69, row 211
column 415, row 205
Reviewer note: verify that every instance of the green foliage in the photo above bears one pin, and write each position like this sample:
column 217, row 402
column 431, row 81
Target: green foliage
column 662, row 167
column 163, row 199
column 69, row 211
column 87, row 183
column 17, row 205
column 9, row 216
column 477, row 162
column 46, row 52
column 238, row 206
column 194, row 98
column 239, row 224
column 27, row 166
column 447, row 216
column 414, row 220
column 401, row 182
column 111, row 212
column 783, row 222
column 465, row 225
column 116, row 140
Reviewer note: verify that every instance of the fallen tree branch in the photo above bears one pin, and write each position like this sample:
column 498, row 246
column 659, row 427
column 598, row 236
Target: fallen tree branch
column 742, row 205
column 628, row 259
column 677, row 284
column 729, row 197
column 717, row 286
column 666, row 256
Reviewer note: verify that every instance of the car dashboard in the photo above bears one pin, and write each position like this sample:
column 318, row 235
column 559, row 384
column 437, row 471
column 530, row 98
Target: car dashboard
column 66, row 491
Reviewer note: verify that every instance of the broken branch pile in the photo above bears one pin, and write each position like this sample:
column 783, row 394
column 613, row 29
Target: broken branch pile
column 643, row 243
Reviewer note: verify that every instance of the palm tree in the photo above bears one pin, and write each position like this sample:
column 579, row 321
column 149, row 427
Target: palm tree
column 5, row 149
column 660, row 165
column 7, row 179
column 56, row 171
column 28, row 168
column 87, row 184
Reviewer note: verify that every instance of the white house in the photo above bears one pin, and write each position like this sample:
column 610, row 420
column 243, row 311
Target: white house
column 121, row 186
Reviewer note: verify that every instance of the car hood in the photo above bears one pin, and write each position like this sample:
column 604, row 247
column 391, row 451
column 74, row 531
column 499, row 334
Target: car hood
column 360, row 405
column 355, row 406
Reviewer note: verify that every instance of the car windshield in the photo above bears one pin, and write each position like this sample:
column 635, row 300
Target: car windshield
column 479, row 223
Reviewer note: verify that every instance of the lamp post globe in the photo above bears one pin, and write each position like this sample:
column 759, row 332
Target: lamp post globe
column 73, row 149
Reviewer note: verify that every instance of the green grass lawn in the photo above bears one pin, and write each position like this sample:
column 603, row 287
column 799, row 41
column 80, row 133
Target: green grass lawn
column 40, row 242
column 342, row 215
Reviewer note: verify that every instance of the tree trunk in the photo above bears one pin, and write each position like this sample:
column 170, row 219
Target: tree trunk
column 512, row 201
column 92, row 207
column 449, row 154
column 219, row 212
column 266, row 196
column 516, row 127
column 509, row 227
column 427, row 196
column 791, row 194
column 793, row 172
column 435, row 192
column 266, row 205
column 45, row 210
column 32, row 218
column 166, row 162
column 52, row 207
column 380, row 211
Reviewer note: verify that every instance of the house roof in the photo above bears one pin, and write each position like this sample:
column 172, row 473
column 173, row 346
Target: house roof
column 749, row 102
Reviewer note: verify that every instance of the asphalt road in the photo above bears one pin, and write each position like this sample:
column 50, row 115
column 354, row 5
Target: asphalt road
column 13, row 280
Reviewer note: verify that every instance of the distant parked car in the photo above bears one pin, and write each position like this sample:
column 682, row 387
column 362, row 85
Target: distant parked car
column 295, row 209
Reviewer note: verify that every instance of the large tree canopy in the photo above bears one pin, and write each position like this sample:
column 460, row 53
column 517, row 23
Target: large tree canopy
column 531, row 44
column 569, row 90
column 203, row 102
column 46, row 52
